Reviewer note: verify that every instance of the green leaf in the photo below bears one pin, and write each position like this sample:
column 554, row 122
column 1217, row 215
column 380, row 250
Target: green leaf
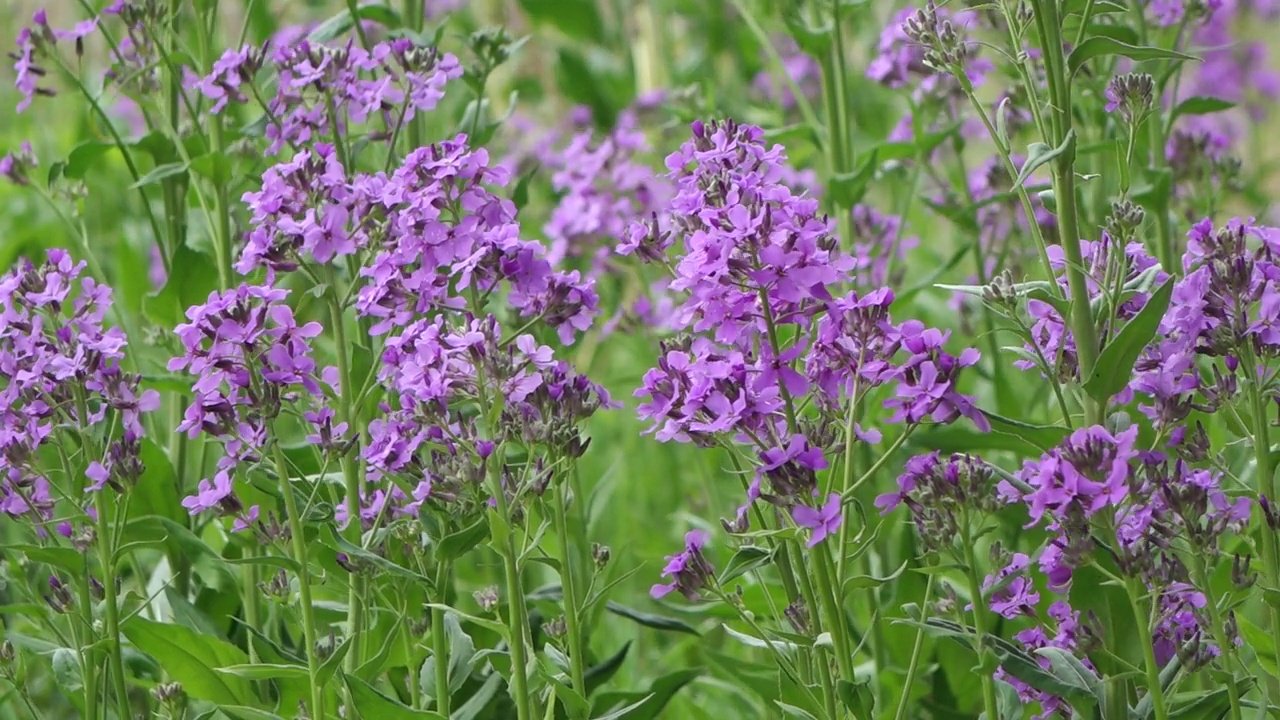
column 487, row 624
column 371, row 703
column 792, row 711
column 85, row 157
column 1205, row 705
column 1199, row 105
column 63, row 558
column 344, row 21
column 746, row 559
column 1068, row 668
column 243, row 712
column 462, row 652
column 189, row 283
column 657, row 622
column 341, row 544
column 188, row 615
column 66, row 671
column 1262, row 644
column 760, row 643
column 848, row 188
column 1030, row 672
column 1044, row 437
column 1103, row 46
column 957, row 438
column 862, row 582
column 1038, row 154
column 578, row 19
column 264, row 671
column 460, row 543
column 858, row 697
column 191, row 659
column 156, row 492
column 331, row 664
column 815, row 41
column 476, row 704
column 644, row 705
column 161, row 531
column 160, row 172
column 598, row 675
column 1115, row 365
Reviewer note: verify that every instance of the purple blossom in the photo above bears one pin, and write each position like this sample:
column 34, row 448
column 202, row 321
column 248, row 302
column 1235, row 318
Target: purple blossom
column 1090, row 470
column 689, row 570
column 821, row 521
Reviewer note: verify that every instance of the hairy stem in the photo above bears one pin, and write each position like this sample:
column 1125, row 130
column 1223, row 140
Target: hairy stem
column 975, row 593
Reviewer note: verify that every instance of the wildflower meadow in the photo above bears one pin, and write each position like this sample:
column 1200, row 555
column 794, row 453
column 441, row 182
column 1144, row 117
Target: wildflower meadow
column 640, row 360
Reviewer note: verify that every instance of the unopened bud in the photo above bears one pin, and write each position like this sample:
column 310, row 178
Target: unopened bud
column 487, row 598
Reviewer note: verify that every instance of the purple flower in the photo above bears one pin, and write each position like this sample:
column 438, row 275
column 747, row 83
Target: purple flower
column 821, row 521
column 689, row 570
column 1090, row 470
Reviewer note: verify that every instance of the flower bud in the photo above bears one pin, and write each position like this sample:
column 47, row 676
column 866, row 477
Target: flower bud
column 1132, row 95
column 487, row 598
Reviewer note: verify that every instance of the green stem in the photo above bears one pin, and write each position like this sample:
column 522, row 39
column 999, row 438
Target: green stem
column 112, row 608
column 1267, row 486
column 577, row 649
column 1143, row 621
column 1064, row 186
column 1225, row 644
column 306, row 610
column 835, row 623
column 414, row 19
column 517, row 618
column 88, row 663
column 440, row 643
column 975, row 593
column 350, row 475
column 917, row 650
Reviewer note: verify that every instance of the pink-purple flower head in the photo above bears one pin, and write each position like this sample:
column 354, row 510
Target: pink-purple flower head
column 689, row 570
column 821, row 521
column 1090, row 470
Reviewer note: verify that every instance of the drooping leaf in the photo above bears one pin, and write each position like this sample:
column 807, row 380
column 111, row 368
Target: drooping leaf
column 372, row 703
column 1102, row 46
column 649, row 620
column 1200, row 105
column 1038, row 154
column 746, row 559
column 643, row 705
column 193, row 659
column 1115, row 364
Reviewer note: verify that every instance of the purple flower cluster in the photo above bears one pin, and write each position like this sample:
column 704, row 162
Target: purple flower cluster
column 251, row 359
column 767, row 321
column 437, row 368
column 1148, row 509
column 1064, row 633
column 602, row 187
column 60, row 373
column 1226, row 307
column 34, row 42
column 442, row 237
column 318, row 86
column 689, row 570
column 917, row 47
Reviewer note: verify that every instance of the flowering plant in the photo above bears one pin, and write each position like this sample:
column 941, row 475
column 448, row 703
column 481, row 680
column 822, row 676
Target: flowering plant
column 387, row 363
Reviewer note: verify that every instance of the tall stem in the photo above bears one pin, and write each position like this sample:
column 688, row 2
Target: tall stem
column 1225, row 644
column 350, row 476
column 304, row 582
column 112, row 608
column 975, row 593
column 572, row 617
column 836, row 625
column 1064, row 188
column 1267, row 486
column 1143, row 621
column 440, row 642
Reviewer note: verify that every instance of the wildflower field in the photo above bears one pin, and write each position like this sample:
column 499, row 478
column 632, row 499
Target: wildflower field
column 639, row 359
